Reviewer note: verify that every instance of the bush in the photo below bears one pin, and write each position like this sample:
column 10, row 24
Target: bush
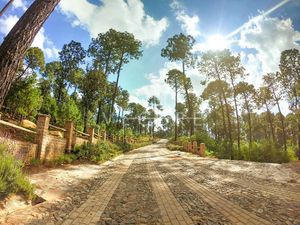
column 12, row 180
column 35, row 162
column 174, row 147
column 65, row 159
column 99, row 152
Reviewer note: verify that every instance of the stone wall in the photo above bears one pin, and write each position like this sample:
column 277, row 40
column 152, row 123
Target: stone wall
column 21, row 150
column 80, row 141
column 55, row 147
column 27, row 144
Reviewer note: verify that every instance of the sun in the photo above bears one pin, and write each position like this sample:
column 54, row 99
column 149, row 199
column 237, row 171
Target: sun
column 217, row 42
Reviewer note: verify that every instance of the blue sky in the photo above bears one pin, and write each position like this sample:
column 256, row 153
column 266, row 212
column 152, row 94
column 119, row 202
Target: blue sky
column 259, row 42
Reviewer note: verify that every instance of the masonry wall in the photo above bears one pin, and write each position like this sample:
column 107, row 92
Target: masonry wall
column 55, row 147
column 21, row 150
column 80, row 141
column 39, row 143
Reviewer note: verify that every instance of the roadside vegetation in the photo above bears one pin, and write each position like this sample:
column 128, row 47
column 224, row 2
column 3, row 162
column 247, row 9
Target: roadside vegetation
column 239, row 121
column 12, row 179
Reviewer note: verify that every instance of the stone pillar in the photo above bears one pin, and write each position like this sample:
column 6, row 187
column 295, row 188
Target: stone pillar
column 69, row 126
column 195, row 147
column 41, row 137
column 190, row 147
column 91, row 132
column 202, row 150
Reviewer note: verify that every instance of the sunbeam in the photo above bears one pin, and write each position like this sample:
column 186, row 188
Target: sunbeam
column 238, row 30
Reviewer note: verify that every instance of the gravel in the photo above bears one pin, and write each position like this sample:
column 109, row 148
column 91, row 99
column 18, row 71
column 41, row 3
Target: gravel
column 133, row 201
column 197, row 209
column 266, row 206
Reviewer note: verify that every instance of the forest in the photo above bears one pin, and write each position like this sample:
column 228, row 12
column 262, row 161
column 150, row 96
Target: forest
column 235, row 119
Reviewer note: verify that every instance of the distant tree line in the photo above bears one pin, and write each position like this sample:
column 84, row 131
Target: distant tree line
column 241, row 121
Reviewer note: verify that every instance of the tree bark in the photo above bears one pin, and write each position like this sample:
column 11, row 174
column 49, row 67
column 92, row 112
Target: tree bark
column 223, row 118
column 190, row 112
column 237, row 117
column 228, row 116
column 19, row 39
column 249, row 124
column 281, row 120
column 116, row 90
column 271, row 123
column 176, row 116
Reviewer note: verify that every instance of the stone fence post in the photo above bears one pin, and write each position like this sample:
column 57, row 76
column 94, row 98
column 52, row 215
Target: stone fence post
column 41, row 137
column 194, row 146
column 190, row 147
column 202, row 150
column 91, row 132
column 69, row 126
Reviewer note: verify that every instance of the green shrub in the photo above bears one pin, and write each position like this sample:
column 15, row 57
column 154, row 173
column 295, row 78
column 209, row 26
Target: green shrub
column 35, row 162
column 65, row 159
column 12, row 180
column 99, row 152
column 174, row 147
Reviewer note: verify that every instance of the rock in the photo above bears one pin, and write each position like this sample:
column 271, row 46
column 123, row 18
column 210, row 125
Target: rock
column 260, row 210
column 37, row 200
column 56, row 133
column 28, row 124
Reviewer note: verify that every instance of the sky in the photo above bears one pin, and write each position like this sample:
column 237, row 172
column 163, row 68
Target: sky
column 258, row 30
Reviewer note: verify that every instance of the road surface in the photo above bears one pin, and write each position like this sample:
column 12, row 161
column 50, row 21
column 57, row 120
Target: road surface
column 153, row 185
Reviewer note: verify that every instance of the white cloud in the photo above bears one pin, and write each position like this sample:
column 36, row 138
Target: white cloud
column 7, row 22
column 20, row 4
column 163, row 91
column 157, row 87
column 269, row 36
column 41, row 40
column 253, row 67
column 127, row 16
column 189, row 24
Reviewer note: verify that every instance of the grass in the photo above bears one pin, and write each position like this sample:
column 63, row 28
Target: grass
column 12, row 179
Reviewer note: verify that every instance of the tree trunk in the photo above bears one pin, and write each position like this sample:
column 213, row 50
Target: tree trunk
column 271, row 123
column 153, row 125
column 19, row 39
column 298, row 141
column 119, row 116
column 249, row 124
column 281, row 120
column 176, row 116
column 85, row 119
column 237, row 118
column 228, row 117
column 223, row 118
column 190, row 113
column 5, row 7
column 98, row 113
column 298, row 135
column 116, row 90
column 229, row 126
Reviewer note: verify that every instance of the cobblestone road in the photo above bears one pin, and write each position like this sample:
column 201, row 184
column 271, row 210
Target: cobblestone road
column 152, row 185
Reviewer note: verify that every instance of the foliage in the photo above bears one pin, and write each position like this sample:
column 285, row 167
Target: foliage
column 174, row 147
column 65, row 159
column 12, row 180
column 24, row 97
column 69, row 111
column 99, row 152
